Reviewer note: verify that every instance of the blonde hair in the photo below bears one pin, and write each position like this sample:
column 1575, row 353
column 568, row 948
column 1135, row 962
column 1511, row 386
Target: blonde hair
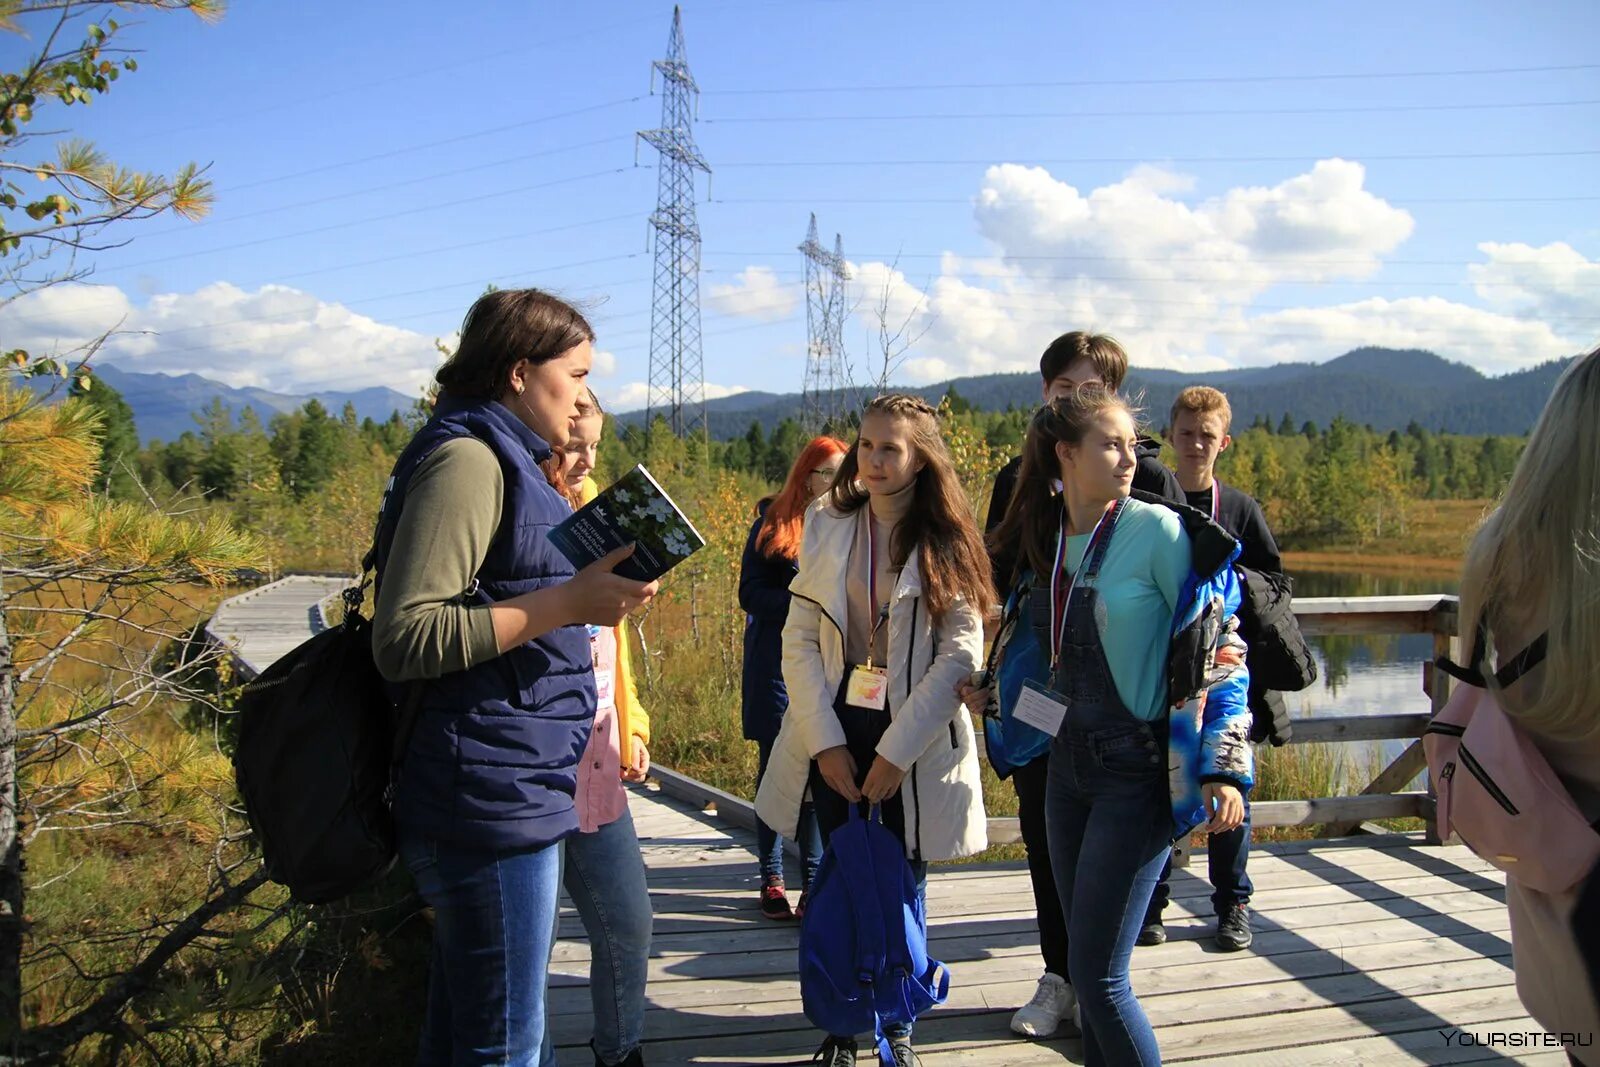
column 1537, row 558
column 1199, row 400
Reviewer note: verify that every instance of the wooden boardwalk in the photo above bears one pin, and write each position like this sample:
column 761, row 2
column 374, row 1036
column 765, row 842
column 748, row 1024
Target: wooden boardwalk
column 265, row 623
column 1365, row 950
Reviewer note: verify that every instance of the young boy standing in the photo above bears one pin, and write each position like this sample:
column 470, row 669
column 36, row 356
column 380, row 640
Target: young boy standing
column 1071, row 360
column 1201, row 419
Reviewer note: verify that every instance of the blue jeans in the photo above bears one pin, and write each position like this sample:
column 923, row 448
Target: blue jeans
column 1226, row 856
column 604, row 876
column 769, row 846
column 494, row 912
column 1109, row 822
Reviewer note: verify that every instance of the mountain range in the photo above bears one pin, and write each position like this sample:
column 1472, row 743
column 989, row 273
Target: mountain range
column 1385, row 388
column 164, row 405
column 1382, row 387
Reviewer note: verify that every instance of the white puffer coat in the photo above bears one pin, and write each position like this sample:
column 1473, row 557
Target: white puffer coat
column 930, row 732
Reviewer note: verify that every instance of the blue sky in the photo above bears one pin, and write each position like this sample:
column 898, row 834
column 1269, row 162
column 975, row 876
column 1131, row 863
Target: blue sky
column 1184, row 177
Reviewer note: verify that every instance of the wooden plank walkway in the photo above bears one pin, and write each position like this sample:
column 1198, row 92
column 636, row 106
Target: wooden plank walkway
column 1365, row 951
column 266, row 623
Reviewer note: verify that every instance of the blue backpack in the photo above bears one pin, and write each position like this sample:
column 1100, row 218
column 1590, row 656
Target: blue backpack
column 864, row 938
column 1008, row 742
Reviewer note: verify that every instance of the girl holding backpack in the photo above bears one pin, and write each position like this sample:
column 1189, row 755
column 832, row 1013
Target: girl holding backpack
column 887, row 616
column 1532, row 579
column 771, row 556
column 483, row 622
column 603, row 869
column 1146, row 700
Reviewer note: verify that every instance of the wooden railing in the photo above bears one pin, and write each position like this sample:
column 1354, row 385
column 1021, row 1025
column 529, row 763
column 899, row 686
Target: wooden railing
column 1385, row 797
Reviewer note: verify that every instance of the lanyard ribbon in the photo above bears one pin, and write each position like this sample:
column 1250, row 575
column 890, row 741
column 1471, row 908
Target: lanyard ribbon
column 1058, row 604
column 872, row 585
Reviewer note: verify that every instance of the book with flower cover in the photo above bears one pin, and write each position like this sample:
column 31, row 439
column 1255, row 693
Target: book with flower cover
column 632, row 510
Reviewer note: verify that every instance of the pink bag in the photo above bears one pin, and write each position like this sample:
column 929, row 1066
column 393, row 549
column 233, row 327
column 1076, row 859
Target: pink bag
column 1495, row 788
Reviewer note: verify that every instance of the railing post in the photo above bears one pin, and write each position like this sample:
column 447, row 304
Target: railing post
column 1436, row 684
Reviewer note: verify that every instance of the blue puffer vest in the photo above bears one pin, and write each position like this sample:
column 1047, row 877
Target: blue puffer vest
column 493, row 761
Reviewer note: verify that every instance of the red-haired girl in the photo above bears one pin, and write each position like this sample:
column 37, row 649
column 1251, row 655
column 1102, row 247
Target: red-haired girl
column 771, row 558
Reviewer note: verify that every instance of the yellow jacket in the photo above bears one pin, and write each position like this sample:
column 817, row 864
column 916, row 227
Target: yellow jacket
column 632, row 719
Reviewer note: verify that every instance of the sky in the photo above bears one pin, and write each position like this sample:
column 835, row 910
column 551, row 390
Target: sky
column 1216, row 187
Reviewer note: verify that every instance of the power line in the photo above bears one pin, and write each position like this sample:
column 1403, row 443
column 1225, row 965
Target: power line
column 365, row 85
column 967, row 200
column 1226, row 79
column 332, row 197
column 456, row 139
column 1350, row 109
column 423, row 253
column 475, row 281
column 888, row 257
column 1157, row 157
column 995, row 300
column 457, row 202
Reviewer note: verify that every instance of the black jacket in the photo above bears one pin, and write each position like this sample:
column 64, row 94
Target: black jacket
column 1240, row 515
column 764, row 596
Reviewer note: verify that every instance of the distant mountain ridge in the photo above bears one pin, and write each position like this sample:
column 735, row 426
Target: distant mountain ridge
column 1386, row 388
column 164, row 405
column 1383, row 387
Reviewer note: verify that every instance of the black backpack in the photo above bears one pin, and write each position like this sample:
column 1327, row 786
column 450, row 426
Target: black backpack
column 320, row 741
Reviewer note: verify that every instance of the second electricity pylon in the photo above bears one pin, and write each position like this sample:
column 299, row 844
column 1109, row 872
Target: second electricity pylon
column 822, row 402
column 677, row 374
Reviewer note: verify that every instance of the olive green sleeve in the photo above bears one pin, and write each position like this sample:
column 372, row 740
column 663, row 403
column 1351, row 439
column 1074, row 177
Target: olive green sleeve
column 451, row 512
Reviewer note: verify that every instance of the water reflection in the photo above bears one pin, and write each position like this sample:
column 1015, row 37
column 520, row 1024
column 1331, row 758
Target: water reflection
column 1368, row 674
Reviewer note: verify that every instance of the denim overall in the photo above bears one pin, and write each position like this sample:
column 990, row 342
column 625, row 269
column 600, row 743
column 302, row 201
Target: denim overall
column 1109, row 822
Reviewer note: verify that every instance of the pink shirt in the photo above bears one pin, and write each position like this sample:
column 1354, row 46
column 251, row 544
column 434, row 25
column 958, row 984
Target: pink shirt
column 601, row 798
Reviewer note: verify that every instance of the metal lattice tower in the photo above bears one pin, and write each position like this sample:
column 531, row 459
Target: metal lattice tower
column 677, row 376
column 823, row 395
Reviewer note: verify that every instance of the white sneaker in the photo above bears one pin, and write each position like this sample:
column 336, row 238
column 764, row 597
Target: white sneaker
column 1053, row 1001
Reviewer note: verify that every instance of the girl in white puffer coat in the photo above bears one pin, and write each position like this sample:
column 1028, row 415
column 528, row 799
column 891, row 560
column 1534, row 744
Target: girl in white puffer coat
column 886, row 619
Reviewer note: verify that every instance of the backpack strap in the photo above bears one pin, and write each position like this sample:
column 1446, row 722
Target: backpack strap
column 1020, row 587
column 1472, row 674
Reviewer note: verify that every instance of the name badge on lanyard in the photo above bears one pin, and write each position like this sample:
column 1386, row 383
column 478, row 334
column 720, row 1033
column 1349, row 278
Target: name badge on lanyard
column 868, row 685
column 1037, row 705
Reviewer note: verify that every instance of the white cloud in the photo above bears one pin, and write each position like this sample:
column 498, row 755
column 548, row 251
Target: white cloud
column 1179, row 279
column 1492, row 342
column 756, row 293
column 605, row 364
column 275, row 338
column 1551, row 282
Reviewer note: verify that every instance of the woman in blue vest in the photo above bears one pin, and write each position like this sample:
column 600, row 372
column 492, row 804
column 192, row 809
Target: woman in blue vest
column 483, row 621
column 1146, row 701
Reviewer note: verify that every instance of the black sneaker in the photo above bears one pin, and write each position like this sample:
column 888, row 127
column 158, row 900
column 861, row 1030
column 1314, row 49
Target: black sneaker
column 1233, row 929
column 1153, row 934
column 836, row 1052
column 633, row 1059
column 904, row 1055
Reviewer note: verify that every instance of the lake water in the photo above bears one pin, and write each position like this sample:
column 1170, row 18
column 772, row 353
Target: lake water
column 1368, row 675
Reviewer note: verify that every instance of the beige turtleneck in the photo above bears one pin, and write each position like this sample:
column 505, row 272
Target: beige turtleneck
column 884, row 513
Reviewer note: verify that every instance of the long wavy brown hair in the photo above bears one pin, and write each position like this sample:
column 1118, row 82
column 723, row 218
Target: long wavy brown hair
column 940, row 520
column 1033, row 516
